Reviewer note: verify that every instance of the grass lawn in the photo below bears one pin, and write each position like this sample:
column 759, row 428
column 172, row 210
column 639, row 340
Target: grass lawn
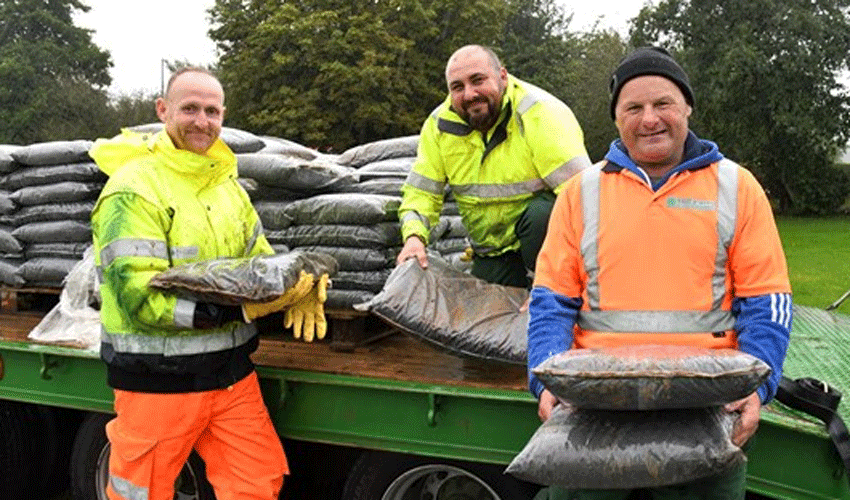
column 818, row 254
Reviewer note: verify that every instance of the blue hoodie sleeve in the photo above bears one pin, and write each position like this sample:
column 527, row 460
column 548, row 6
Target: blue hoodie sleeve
column 550, row 329
column 763, row 325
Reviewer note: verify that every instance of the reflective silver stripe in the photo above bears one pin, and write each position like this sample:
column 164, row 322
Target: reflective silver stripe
column 127, row 489
column 526, row 103
column 413, row 215
column 133, row 248
column 656, row 321
column 258, row 230
column 780, row 309
column 181, row 345
column 183, row 253
column 499, row 190
column 590, row 187
column 567, row 170
column 481, row 249
column 419, row 181
column 727, row 214
column 184, row 313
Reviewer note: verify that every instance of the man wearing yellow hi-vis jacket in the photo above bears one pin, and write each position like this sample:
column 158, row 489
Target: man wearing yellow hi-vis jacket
column 505, row 148
column 180, row 370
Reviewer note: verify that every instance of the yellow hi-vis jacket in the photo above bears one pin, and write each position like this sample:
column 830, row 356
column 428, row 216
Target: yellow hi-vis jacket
column 160, row 208
column 535, row 145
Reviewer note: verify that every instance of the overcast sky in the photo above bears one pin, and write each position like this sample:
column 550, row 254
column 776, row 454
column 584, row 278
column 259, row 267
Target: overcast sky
column 140, row 36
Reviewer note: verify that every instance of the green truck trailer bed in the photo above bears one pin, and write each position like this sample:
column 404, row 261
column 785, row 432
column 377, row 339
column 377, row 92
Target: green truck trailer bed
column 397, row 394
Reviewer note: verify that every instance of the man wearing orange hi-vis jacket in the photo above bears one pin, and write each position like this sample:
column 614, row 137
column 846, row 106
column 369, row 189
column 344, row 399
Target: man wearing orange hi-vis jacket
column 665, row 241
column 181, row 370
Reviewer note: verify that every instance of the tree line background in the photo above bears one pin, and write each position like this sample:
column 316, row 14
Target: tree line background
column 331, row 74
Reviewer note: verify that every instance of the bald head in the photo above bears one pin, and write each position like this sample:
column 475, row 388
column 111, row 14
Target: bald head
column 472, row 51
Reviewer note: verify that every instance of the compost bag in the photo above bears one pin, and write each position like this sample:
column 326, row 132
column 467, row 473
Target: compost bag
column 455, row 311
column 233, row 281
column 596, row 449
column 651, row 377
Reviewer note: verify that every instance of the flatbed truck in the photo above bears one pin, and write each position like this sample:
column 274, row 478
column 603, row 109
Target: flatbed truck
column 371, row 413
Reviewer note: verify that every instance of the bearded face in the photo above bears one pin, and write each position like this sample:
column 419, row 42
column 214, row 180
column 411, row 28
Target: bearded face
column 476, row 88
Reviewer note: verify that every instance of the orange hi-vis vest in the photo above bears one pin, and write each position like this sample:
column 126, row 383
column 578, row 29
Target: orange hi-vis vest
column 657, row 267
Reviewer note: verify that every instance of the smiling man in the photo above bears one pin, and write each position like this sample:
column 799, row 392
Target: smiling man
column 663, row 242
column 505, row 148
column 180, row 369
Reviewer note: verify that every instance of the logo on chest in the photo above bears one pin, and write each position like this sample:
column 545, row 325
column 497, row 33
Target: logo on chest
column 691, row 204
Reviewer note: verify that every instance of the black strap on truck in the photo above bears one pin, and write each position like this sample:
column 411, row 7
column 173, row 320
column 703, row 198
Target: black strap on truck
column 820, row 400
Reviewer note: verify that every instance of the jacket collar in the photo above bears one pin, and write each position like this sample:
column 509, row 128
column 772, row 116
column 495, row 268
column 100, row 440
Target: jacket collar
column 218, row 161
column 699, row 153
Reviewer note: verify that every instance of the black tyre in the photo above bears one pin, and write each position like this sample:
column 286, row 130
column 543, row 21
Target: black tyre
column 90, row 465
column 16, row 450
column 393, row 476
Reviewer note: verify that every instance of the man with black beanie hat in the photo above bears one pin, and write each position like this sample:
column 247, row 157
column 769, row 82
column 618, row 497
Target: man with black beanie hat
column 664, row 242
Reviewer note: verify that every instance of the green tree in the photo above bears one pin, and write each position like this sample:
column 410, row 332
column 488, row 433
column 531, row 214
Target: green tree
column 52, row 77
column 538, row 46
column 138, row 108
column 766, row 76
column 596, row 55
column 335, row 73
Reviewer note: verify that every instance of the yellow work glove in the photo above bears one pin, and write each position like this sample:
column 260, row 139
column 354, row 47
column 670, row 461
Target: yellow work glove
column 468, row 255
column 307, row 316
column 254, row 310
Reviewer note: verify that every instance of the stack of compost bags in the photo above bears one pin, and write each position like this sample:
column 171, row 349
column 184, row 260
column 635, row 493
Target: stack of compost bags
column 11, row 251
column 638, row 416
column 344, row 204
column 53, row 187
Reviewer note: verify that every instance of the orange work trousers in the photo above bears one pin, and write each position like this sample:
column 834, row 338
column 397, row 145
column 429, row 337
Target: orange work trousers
column 153, row 435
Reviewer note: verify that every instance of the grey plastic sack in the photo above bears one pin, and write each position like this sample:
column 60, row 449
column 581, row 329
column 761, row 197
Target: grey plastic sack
column 307, row 176
column 650, row 377
column 285, row 147
column 54, row 231
column 397, row 147
column 7, row 206
column 79, row 210
column 393, row 167
column 46, row 271
column 60, row 192
column 455, row 311
column 358, row 259
column 380, row 235
column 235, row 281
column 598, row 449
column 53, row 152
column 343, row 208
column 385, row 186
column 52, row 174
column 7, row 163
column 346, row 299
column 8, row 243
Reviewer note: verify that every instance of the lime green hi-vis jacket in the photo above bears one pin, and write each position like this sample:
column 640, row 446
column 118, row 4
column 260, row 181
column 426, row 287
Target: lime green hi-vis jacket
column 535, row 145
column 162, row 207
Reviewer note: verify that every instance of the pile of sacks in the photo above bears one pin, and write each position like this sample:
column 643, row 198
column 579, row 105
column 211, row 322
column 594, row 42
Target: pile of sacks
column 344, row 204
column 47, row 192
column 638, row 416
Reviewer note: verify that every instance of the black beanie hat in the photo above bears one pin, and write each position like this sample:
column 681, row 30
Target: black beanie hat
column 649, row 61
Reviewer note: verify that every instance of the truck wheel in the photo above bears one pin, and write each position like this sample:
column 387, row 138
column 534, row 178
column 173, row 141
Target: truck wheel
column 17, row 450
column 90, row 466
column 393, row 476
